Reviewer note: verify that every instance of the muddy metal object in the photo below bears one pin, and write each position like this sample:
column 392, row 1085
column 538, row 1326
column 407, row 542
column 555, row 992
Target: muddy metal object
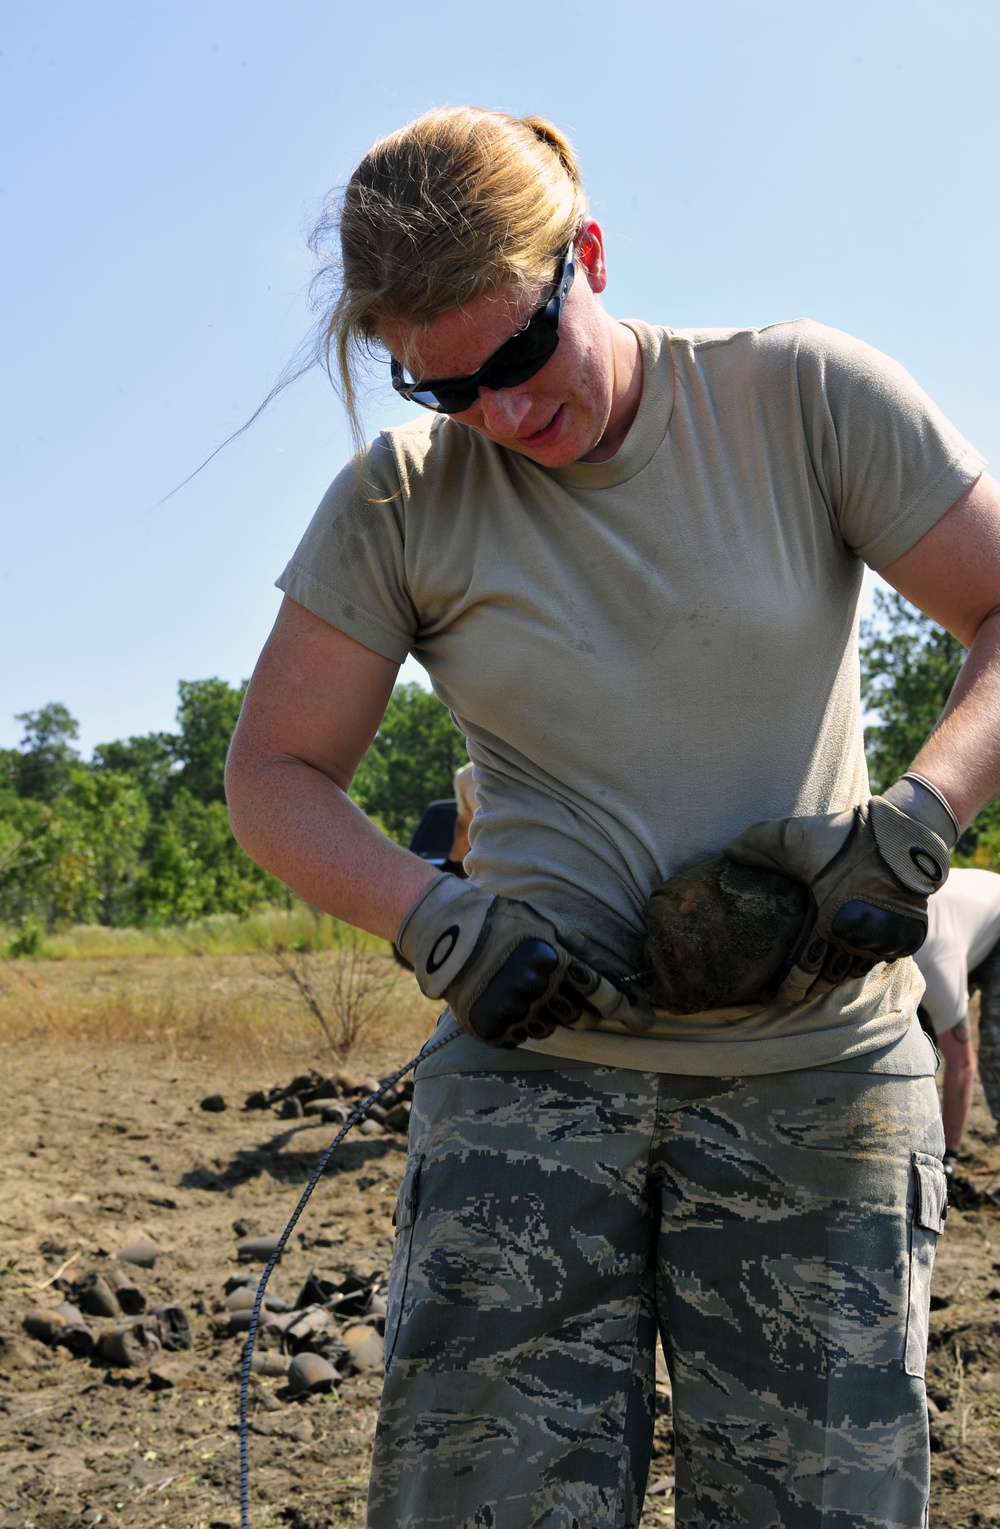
column 305, row 1325
column 131, row 1346
column 333, row 1113
column 719, row 936
column 240, row 1317
column 61, row 1327
column 141, row 1252
column 331, row 1345
column 257, row 1249
column 365, row 1347
column 354, row 1298
column 77, row 1337
column 95, row 1296
column 320, row 1106
column 242, row 1298
column 310, row 1372
column 172, row 1325
column 44, row 1324
column 130, row 1298
column 319, row 1289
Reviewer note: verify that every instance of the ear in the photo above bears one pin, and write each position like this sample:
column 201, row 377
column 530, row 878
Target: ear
column 590, row 255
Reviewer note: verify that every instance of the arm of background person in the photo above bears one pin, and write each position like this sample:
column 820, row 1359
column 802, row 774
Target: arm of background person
column 952, row 574
column 956, row 1049
column 312, row 707
column 460, row 843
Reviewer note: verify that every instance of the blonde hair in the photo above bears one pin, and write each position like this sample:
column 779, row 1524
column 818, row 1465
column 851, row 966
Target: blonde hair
column 457, row 203
column 450, row 207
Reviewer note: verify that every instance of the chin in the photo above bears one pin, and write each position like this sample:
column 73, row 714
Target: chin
column 573, row 445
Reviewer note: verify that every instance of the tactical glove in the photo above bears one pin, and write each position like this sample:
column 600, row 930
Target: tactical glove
column 869, row 872
column 507, row 972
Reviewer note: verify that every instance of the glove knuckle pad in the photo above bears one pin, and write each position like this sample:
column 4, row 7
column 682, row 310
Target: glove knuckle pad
column 885, row 933
column 515, row 988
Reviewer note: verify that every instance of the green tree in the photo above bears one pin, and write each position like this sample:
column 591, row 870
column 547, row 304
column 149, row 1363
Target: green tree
column 48, row 871
column 115, row 818
column 412, row 761
column 47, row 758
column 207, row 716
column 909, row 665
column 23, row 854
column 150, row 762
column 196, row 867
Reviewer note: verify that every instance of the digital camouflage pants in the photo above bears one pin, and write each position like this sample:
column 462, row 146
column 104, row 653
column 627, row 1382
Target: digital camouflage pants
column 780, row 1230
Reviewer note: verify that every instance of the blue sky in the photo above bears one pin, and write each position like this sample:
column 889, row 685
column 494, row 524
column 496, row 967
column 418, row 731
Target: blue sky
column 164, row 159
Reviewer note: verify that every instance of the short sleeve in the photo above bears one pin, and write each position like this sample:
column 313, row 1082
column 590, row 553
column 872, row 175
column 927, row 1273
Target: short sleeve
column 888, row 461
column 349, row 568
column 946, row 997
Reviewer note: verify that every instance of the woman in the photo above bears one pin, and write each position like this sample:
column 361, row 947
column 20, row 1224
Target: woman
column 630, row 560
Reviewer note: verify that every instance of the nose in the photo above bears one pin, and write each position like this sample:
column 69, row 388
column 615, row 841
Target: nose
column 503, row 410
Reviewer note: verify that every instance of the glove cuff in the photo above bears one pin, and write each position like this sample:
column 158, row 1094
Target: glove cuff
column 438, row 933
column 951, row 838
column 925, row 804
column 914, row 853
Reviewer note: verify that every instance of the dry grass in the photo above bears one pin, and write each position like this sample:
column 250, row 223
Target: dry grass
column 211, row 1007
column 223, row 934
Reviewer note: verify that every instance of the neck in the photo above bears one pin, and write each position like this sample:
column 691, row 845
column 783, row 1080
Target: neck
column 626, row 393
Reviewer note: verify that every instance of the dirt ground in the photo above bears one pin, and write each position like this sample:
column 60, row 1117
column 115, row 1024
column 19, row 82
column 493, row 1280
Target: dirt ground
column 103, row 1145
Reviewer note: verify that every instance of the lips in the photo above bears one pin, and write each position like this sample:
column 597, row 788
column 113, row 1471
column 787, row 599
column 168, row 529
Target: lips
column 546, row 434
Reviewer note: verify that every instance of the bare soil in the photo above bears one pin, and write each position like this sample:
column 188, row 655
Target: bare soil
column 102, row 1145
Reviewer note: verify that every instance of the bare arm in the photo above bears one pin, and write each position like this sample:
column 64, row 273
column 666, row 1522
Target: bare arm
column 959, row 1072
column 312, row 708
column 952, row 574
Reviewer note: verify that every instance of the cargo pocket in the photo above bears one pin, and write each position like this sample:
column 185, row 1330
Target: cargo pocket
column 402, row 1220
column 930, row 1206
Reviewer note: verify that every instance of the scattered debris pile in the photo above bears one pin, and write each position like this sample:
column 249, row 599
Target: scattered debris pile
column 333, row 1099
column 105, row 1317
column 333, row 1328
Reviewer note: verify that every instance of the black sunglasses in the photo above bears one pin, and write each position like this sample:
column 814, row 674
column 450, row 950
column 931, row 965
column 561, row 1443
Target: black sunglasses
column 517, row 359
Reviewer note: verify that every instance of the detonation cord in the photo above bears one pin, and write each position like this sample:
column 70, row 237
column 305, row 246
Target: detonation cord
column 317, row 1173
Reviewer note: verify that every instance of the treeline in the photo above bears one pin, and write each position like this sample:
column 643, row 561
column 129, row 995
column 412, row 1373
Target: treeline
column 139, row 834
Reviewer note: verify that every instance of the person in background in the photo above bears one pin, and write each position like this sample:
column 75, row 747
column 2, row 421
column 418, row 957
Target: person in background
column 465, row 798
column 960, row 954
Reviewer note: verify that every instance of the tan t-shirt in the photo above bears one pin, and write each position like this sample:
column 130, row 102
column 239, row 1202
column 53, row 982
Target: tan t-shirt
column 649, row 653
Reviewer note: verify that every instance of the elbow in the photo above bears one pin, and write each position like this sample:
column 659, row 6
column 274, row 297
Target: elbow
column 240, row 777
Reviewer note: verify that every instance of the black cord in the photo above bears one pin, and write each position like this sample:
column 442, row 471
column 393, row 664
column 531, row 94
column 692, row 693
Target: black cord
column 317, row 1173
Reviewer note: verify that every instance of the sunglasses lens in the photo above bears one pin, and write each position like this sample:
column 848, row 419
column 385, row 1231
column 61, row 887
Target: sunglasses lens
column 446, row 400
column 523, row 355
